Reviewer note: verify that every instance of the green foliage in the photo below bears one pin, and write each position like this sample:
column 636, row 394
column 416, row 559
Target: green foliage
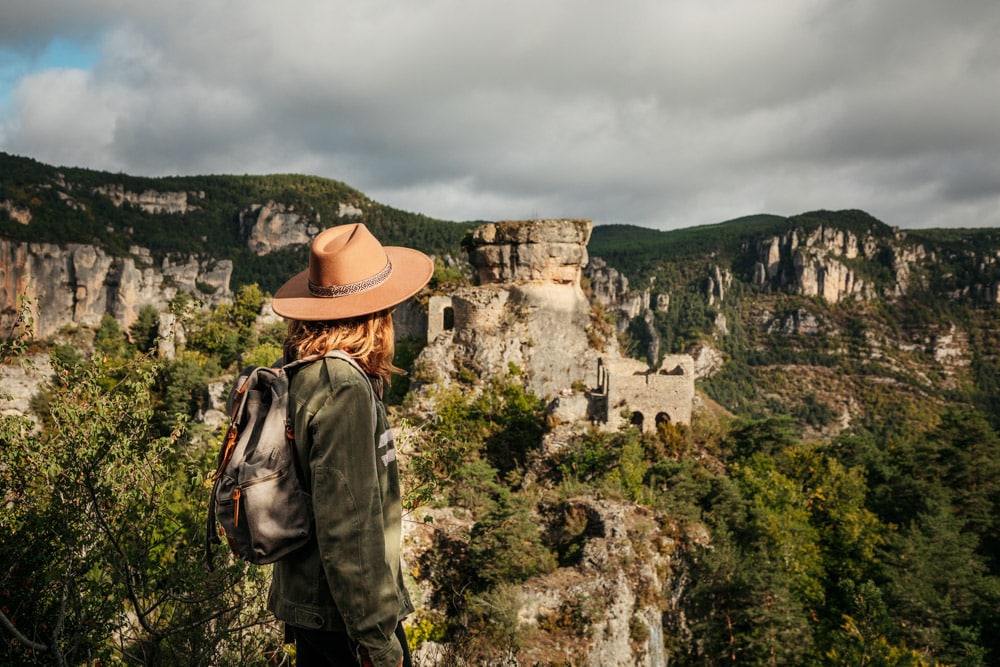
column 505, row 545
column 877, row 547
column 863, row 637
column 407, row 350
column 182, row 388
column 446, row 278
column 14, row 342
column 80, row 212
column 145, row 329
column 109, row 339
column 102, row 530
column 496, row 429
column 264, row 354
column 228, row 330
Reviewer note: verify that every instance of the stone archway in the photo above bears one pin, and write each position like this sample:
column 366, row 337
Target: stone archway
column 440, row 316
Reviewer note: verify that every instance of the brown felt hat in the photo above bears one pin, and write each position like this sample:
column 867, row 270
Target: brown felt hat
column 351, row 274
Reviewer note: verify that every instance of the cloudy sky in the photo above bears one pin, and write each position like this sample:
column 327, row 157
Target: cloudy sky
column 661, row 113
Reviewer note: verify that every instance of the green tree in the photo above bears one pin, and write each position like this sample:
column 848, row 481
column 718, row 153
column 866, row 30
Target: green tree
column 101, row 536
column 505, row 545
column 227, row 331
column 109, row 340
column 941, row 591
column 145, row 328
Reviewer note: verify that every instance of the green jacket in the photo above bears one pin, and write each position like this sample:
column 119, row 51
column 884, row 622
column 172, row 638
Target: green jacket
column 348, row 577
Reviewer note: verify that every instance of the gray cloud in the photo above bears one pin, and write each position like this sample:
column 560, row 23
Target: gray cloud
column 664, row 114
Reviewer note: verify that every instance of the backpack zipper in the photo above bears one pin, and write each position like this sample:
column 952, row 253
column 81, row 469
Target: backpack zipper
column 236, row 509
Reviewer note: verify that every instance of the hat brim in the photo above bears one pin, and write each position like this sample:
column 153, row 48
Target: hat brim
column 411, row 269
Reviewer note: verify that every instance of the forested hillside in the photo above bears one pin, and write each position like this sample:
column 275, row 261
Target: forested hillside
column 860, row 471
column 834, row 501
column 71, row 205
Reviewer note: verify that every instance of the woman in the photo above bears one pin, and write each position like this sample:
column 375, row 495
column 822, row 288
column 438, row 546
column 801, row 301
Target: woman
column 342, row 595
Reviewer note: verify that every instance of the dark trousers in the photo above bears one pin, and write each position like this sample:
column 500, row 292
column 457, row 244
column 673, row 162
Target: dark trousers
column 320, row 648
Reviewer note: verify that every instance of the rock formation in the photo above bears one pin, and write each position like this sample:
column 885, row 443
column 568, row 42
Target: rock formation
column 20, row 214
column 78, row 284
column 821, row 262
column 529, row 310
column 150, row 201
column 272, row 225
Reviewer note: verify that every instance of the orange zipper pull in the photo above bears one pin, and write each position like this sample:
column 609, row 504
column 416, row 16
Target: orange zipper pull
column 236, row 511
column 232, row 435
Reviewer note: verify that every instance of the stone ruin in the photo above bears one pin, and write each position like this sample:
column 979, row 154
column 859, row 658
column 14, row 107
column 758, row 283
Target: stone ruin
column 644, row 397
column 528, row 310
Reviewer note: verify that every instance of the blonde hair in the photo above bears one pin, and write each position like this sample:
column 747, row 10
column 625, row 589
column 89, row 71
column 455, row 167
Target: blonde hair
column 368, row 338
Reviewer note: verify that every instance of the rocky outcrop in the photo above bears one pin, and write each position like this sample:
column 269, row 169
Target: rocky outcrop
column 552, row 251
column 529, row 309
column 611, row 289
column 150, row 201
column 603, row 611
column 77, row 284
column 21, row 382
column 273, row 225
column 625, row 556
column 530, row 312
column 16, row 213
column 824, row 263
column 719, row 280
column 541, row 329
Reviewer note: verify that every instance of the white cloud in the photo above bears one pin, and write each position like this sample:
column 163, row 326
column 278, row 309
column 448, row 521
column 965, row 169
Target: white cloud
column 657, row 113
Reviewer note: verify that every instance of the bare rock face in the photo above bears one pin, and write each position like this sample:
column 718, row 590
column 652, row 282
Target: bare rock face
column 611, row 290
column 17, row 213
column 78, row 284
column 533, row 250
column 820, row 275
column 529, row 311
column 541, row 322
column 150, row 201
column 626, row 554
column 707, row 360
column 818, row 263
column 274, row 225
column 21, row 382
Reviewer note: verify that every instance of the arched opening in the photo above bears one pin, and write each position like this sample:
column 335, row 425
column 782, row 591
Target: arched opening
column 448, row 318
column 636, row 419
column 662, row 418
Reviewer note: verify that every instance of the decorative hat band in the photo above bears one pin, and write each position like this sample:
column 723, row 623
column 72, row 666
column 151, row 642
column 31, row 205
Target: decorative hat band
column 332, row 291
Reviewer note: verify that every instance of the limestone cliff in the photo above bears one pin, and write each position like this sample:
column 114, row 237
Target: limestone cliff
column 77, row 284
column 529, row 310
column 273, row 225
column 151, row 201
column 829, row 263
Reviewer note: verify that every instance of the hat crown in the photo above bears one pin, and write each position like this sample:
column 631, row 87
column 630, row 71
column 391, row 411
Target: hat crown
column 351, row 274
column 345, row 256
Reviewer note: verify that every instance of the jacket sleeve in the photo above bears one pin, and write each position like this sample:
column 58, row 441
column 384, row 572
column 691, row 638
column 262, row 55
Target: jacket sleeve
column 347, row 501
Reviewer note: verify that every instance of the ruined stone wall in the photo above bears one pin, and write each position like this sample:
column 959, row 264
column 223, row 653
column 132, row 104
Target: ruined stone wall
column 438, row 320
column 627, row 386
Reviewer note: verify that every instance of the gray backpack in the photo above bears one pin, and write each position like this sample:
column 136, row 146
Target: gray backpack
column 259, row 497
